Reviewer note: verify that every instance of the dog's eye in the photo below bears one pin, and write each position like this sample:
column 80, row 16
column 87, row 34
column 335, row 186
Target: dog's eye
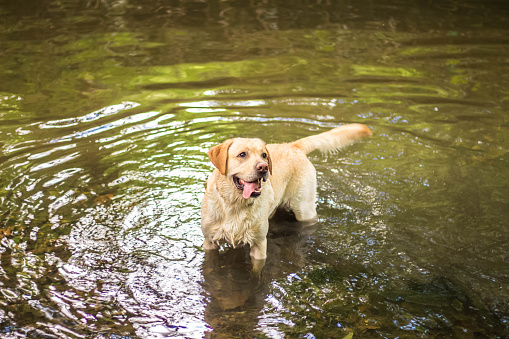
column 264, row 155
column 242, row 154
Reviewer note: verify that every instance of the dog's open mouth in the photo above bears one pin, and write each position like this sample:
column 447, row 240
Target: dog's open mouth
column 249, row 189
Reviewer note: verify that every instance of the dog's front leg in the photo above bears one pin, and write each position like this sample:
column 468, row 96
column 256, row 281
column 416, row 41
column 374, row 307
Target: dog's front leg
column 258, row 255
column 209, row 245
column 259, row 241
column 259, row 250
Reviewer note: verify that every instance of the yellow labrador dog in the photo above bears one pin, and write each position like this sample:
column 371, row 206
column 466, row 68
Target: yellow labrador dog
column 252, row 180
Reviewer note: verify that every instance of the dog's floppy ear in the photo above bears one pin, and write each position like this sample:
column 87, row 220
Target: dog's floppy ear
column 219, row 155
column 269, row 161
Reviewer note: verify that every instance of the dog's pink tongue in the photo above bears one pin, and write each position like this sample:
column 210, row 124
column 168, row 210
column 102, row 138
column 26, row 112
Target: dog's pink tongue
column 249, row 188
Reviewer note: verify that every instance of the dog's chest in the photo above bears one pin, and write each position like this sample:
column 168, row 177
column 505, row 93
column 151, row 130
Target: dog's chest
column 235, row 220
column 240, row 226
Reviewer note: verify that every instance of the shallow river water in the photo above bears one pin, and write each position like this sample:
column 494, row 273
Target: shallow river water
column 107, row 110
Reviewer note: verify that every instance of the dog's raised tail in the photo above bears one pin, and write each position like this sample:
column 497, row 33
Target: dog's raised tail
column 332, row 140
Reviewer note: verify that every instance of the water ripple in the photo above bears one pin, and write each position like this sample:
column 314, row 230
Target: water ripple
column 101, row 113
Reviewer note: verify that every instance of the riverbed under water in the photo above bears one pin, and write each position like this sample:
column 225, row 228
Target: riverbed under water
column 107, row 110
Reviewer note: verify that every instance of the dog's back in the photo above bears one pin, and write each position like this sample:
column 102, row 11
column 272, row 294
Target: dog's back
column 294, row 177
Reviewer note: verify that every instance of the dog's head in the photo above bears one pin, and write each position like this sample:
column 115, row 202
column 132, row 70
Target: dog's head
column 244, row 161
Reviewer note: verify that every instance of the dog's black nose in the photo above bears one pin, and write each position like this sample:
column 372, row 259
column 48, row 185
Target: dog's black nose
column 262, row 167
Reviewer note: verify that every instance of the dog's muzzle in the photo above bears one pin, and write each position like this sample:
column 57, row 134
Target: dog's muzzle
column 250, row 189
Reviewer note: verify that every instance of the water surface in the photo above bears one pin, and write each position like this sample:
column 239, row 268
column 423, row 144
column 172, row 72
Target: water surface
column 107, row 110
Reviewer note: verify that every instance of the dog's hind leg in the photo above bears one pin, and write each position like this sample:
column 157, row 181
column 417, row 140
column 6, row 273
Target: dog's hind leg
column 305, row 210
column 303, row 204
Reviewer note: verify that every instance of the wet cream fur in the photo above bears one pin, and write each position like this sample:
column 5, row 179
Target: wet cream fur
column 291, row 184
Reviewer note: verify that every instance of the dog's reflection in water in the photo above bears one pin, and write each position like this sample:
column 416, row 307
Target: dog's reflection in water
column 235, row 292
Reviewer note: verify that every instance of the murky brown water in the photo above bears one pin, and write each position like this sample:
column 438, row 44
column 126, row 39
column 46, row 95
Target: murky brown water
column 107, row 109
